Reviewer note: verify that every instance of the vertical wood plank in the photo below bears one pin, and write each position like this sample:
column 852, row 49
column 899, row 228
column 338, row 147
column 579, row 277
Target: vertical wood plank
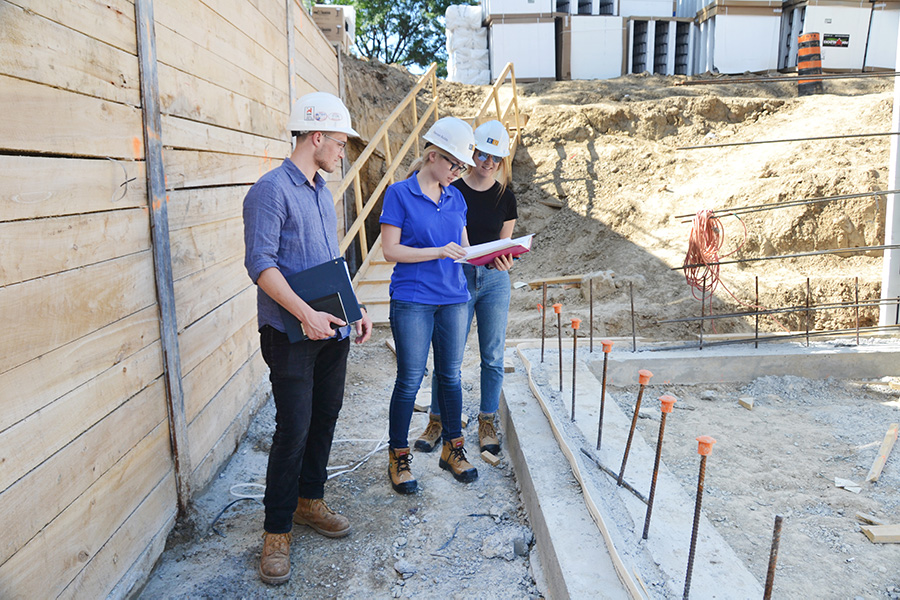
column 162, row 259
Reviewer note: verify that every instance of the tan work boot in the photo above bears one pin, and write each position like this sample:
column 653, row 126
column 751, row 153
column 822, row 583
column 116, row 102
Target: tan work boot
column 487, row 435
column 429, row 438
column 453, row 459
column 316, row 514
column 401, row 476
column 275, row 560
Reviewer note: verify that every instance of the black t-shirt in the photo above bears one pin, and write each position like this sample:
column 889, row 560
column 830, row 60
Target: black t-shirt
column 487, row 212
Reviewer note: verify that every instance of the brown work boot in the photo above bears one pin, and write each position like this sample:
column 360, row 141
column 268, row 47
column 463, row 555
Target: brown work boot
column 275, row 560
column 453, row 459
column 429, row 438
column 487, row 435
column 316, row 514
column 401, row 476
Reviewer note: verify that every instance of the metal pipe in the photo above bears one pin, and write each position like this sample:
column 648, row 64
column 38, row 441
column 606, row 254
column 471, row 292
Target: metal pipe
column 557, row 308
column 705, row 444
column 763, row 207
column 773, row 557
column 607, row 348
column 633, row 328
column 791, row 79
column 543, row 320
column 667, row 405
column 575, row 324
column 802, row 139
column 612, row 473
column 643, row 378
column 855, row 250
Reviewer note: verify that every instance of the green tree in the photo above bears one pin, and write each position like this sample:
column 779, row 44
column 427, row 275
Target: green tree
column 409, row 32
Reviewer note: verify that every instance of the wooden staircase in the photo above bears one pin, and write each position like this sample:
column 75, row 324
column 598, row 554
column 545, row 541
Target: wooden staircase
column 373, row 278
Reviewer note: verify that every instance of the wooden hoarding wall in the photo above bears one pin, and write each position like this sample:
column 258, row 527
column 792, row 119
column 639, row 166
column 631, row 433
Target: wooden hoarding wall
column 88, row 490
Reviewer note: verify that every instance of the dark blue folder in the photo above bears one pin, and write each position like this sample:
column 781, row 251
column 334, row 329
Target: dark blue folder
column 315, row 283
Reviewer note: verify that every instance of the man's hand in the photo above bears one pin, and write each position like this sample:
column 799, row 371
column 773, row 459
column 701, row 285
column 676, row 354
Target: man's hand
column 363, row 327
column 317, row 325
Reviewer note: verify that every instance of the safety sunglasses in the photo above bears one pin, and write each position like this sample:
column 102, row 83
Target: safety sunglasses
column 338, row 142
column 455, row 167
column 484, row 156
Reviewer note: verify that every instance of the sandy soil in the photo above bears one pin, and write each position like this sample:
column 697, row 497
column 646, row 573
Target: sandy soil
column 599, row 178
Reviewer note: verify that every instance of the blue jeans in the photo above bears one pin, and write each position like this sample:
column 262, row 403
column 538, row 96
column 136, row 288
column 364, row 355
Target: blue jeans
column 415, row 326
column 308, row 385
column 489, row 291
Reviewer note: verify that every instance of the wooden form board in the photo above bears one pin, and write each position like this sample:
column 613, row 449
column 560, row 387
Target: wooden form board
column 188, row 208
column 185, row 134
column 32, row 440
column 37, row 248
column 66, row 475
column 186, row 168
column 36, row 187
column 316, row 59
column 203, row 291
column 57, row 309
column 81, row 63
column 886, row 446
column 202, row 338
column 95, row 516
column 41, row 119
column 110, row 21
column 202, row 246
column 882, row 534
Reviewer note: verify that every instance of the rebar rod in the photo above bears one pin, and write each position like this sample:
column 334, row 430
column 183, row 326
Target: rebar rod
column 773, row 558
column 543, row 320
column 591, row 314
column 857, row 311
column 854, row 250
column 614, row 475
column 741, row 210
column 787, row 309
column 807, row 312
column 644, row 378
column 694, row 531
column 633, row 327
column 773, row 338
column 756, row 304
column 802, row 139
column 667, row 403
column 785, row 78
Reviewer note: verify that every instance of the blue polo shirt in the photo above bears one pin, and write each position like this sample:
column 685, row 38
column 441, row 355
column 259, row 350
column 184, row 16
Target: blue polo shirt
column 424, row 224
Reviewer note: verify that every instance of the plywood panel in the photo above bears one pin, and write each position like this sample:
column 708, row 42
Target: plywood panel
column 203, row 291
column 203, row 246
column 196, row 21
column 183, row 134
column 100, row 576
column 58, row 372
column 36, row 248
column 205, row 381
column 29, row 442
column 187, row 96
column 216, row 417
column 202, row 338
column 57, row 484
column 189, row 208
column 81, row 530
column 58, row 309
column 110, row 21
column 186, row 168
column 190, row 56
column 39, row 118
column 33, row 187
column 80, row 63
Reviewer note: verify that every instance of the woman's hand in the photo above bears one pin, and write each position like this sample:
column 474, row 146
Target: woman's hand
column 451, row 250
column 503, row 262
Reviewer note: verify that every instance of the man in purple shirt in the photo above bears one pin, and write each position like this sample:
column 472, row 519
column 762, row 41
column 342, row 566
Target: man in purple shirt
column 290, row 225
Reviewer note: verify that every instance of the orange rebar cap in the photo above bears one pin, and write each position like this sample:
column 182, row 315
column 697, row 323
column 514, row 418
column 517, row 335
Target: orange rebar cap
column 576, row 323
column 540, row 306
column 668, row 403
column 705, row 445
column 607, row 345
column 644, row 376
column 557, row 308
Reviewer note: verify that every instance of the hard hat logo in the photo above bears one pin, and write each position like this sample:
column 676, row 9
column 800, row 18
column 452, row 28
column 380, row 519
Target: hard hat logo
column 493, row 142
column 321, row 111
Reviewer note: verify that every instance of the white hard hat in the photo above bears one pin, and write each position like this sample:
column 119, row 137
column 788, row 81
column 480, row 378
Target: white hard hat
column 454, row 136
column 320, row 111
column 491, row 137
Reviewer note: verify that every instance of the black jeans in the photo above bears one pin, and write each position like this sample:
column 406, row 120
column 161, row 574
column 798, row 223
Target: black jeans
column 308, row 385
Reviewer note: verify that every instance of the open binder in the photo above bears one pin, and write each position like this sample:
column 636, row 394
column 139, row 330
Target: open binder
column 482, row 254
column 317, row 286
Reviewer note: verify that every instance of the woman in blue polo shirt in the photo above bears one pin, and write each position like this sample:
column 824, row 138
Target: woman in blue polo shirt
column 423, row 230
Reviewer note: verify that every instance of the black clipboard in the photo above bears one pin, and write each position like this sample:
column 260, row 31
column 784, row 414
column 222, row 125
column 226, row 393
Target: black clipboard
column 316, row 283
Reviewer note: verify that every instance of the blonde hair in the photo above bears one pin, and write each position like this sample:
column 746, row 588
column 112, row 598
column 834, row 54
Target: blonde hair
column 419, row 162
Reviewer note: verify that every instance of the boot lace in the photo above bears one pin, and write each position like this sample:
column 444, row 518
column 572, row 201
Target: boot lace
column 486, row 429
column 458, row 455
column 403, row 462
column 433, row 430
